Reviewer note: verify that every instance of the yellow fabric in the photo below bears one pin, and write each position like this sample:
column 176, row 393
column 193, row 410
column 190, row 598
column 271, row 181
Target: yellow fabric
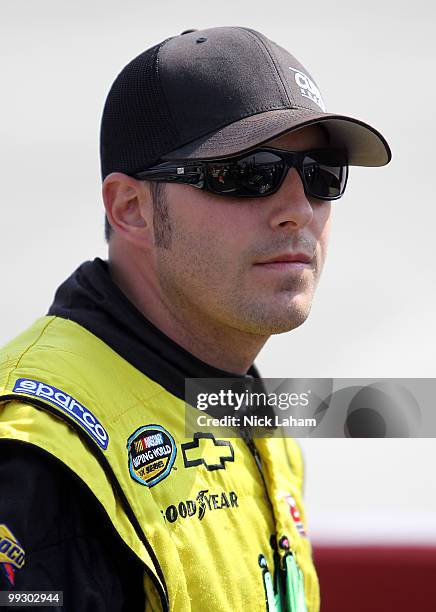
column 208, row 562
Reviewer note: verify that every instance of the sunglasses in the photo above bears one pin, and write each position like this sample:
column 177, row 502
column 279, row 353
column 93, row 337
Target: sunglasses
column 259, row 173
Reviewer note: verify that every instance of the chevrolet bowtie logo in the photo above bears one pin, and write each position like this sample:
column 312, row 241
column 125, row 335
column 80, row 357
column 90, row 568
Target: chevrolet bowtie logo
column 206, row 450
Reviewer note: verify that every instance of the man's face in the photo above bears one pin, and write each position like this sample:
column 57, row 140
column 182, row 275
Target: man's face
column 213, row 266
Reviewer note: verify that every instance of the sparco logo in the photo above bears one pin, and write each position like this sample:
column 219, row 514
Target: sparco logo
column 68, row 404
column 203, row 502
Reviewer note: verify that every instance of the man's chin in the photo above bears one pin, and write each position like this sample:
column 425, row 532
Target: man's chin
column 270, row 322
column 287, row 325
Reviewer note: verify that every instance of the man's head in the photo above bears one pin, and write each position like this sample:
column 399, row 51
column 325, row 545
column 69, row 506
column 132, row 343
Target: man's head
column 205, row 95
column 207, row 254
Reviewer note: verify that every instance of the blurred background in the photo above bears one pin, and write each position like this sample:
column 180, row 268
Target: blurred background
column 371, row 504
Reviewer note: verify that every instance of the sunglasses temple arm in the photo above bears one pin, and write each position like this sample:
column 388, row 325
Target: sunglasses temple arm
column 191, row 175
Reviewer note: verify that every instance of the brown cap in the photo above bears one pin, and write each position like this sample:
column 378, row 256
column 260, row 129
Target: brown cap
column 217, row 92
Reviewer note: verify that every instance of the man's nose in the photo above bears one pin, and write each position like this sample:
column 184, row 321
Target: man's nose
column 290, row 206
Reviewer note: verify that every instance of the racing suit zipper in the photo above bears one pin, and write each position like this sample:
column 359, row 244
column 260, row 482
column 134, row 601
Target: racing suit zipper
column 294, row 597
column 251, row 445
column 246, row 436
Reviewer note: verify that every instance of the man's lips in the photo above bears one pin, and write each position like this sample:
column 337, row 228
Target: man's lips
column 287, row 258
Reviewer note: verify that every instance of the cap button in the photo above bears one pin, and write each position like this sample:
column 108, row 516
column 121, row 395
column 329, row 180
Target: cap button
column 188, row 31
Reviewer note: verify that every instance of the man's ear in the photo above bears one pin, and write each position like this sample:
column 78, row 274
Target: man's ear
column 129, row 208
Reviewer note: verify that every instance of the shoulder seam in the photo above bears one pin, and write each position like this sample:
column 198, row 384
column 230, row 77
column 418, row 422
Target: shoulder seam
column 27, row 349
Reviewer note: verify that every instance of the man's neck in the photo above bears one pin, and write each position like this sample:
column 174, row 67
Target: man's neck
column 222, row 347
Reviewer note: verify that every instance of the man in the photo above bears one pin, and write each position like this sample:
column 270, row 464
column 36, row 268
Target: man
column 219, row 166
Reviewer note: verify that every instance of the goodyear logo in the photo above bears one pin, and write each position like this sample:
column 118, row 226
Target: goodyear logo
column 204, row 501
column 12, row 554
column 68, row 404
column 151, row 453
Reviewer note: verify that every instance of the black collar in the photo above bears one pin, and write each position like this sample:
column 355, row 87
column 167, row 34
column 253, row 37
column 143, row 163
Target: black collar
column 91, row 298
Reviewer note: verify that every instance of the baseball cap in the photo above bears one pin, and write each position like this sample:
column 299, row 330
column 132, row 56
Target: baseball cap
column 217, row 92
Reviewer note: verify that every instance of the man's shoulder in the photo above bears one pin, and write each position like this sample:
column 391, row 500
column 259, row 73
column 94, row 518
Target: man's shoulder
column 39, row 501
column 27, row 337
column 60, row 528
column 44, row 499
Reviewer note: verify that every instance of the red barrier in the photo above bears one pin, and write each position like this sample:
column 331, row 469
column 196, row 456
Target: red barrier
column 377, row 578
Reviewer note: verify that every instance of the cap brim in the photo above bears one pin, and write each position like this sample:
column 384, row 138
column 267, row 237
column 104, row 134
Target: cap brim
column 364, row 144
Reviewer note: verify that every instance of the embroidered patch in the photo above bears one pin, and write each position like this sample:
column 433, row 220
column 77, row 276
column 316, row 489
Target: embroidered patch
column 12, row 555
column 66, row 403
column 295, row 513
column 207, row 450
column 151, row 451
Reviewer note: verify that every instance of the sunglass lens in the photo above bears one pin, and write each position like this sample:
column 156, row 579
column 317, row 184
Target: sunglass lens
column 256, row 174
column 325, row 174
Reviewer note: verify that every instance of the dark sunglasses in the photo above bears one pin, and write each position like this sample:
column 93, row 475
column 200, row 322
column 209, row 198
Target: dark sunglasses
column 259, row 173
